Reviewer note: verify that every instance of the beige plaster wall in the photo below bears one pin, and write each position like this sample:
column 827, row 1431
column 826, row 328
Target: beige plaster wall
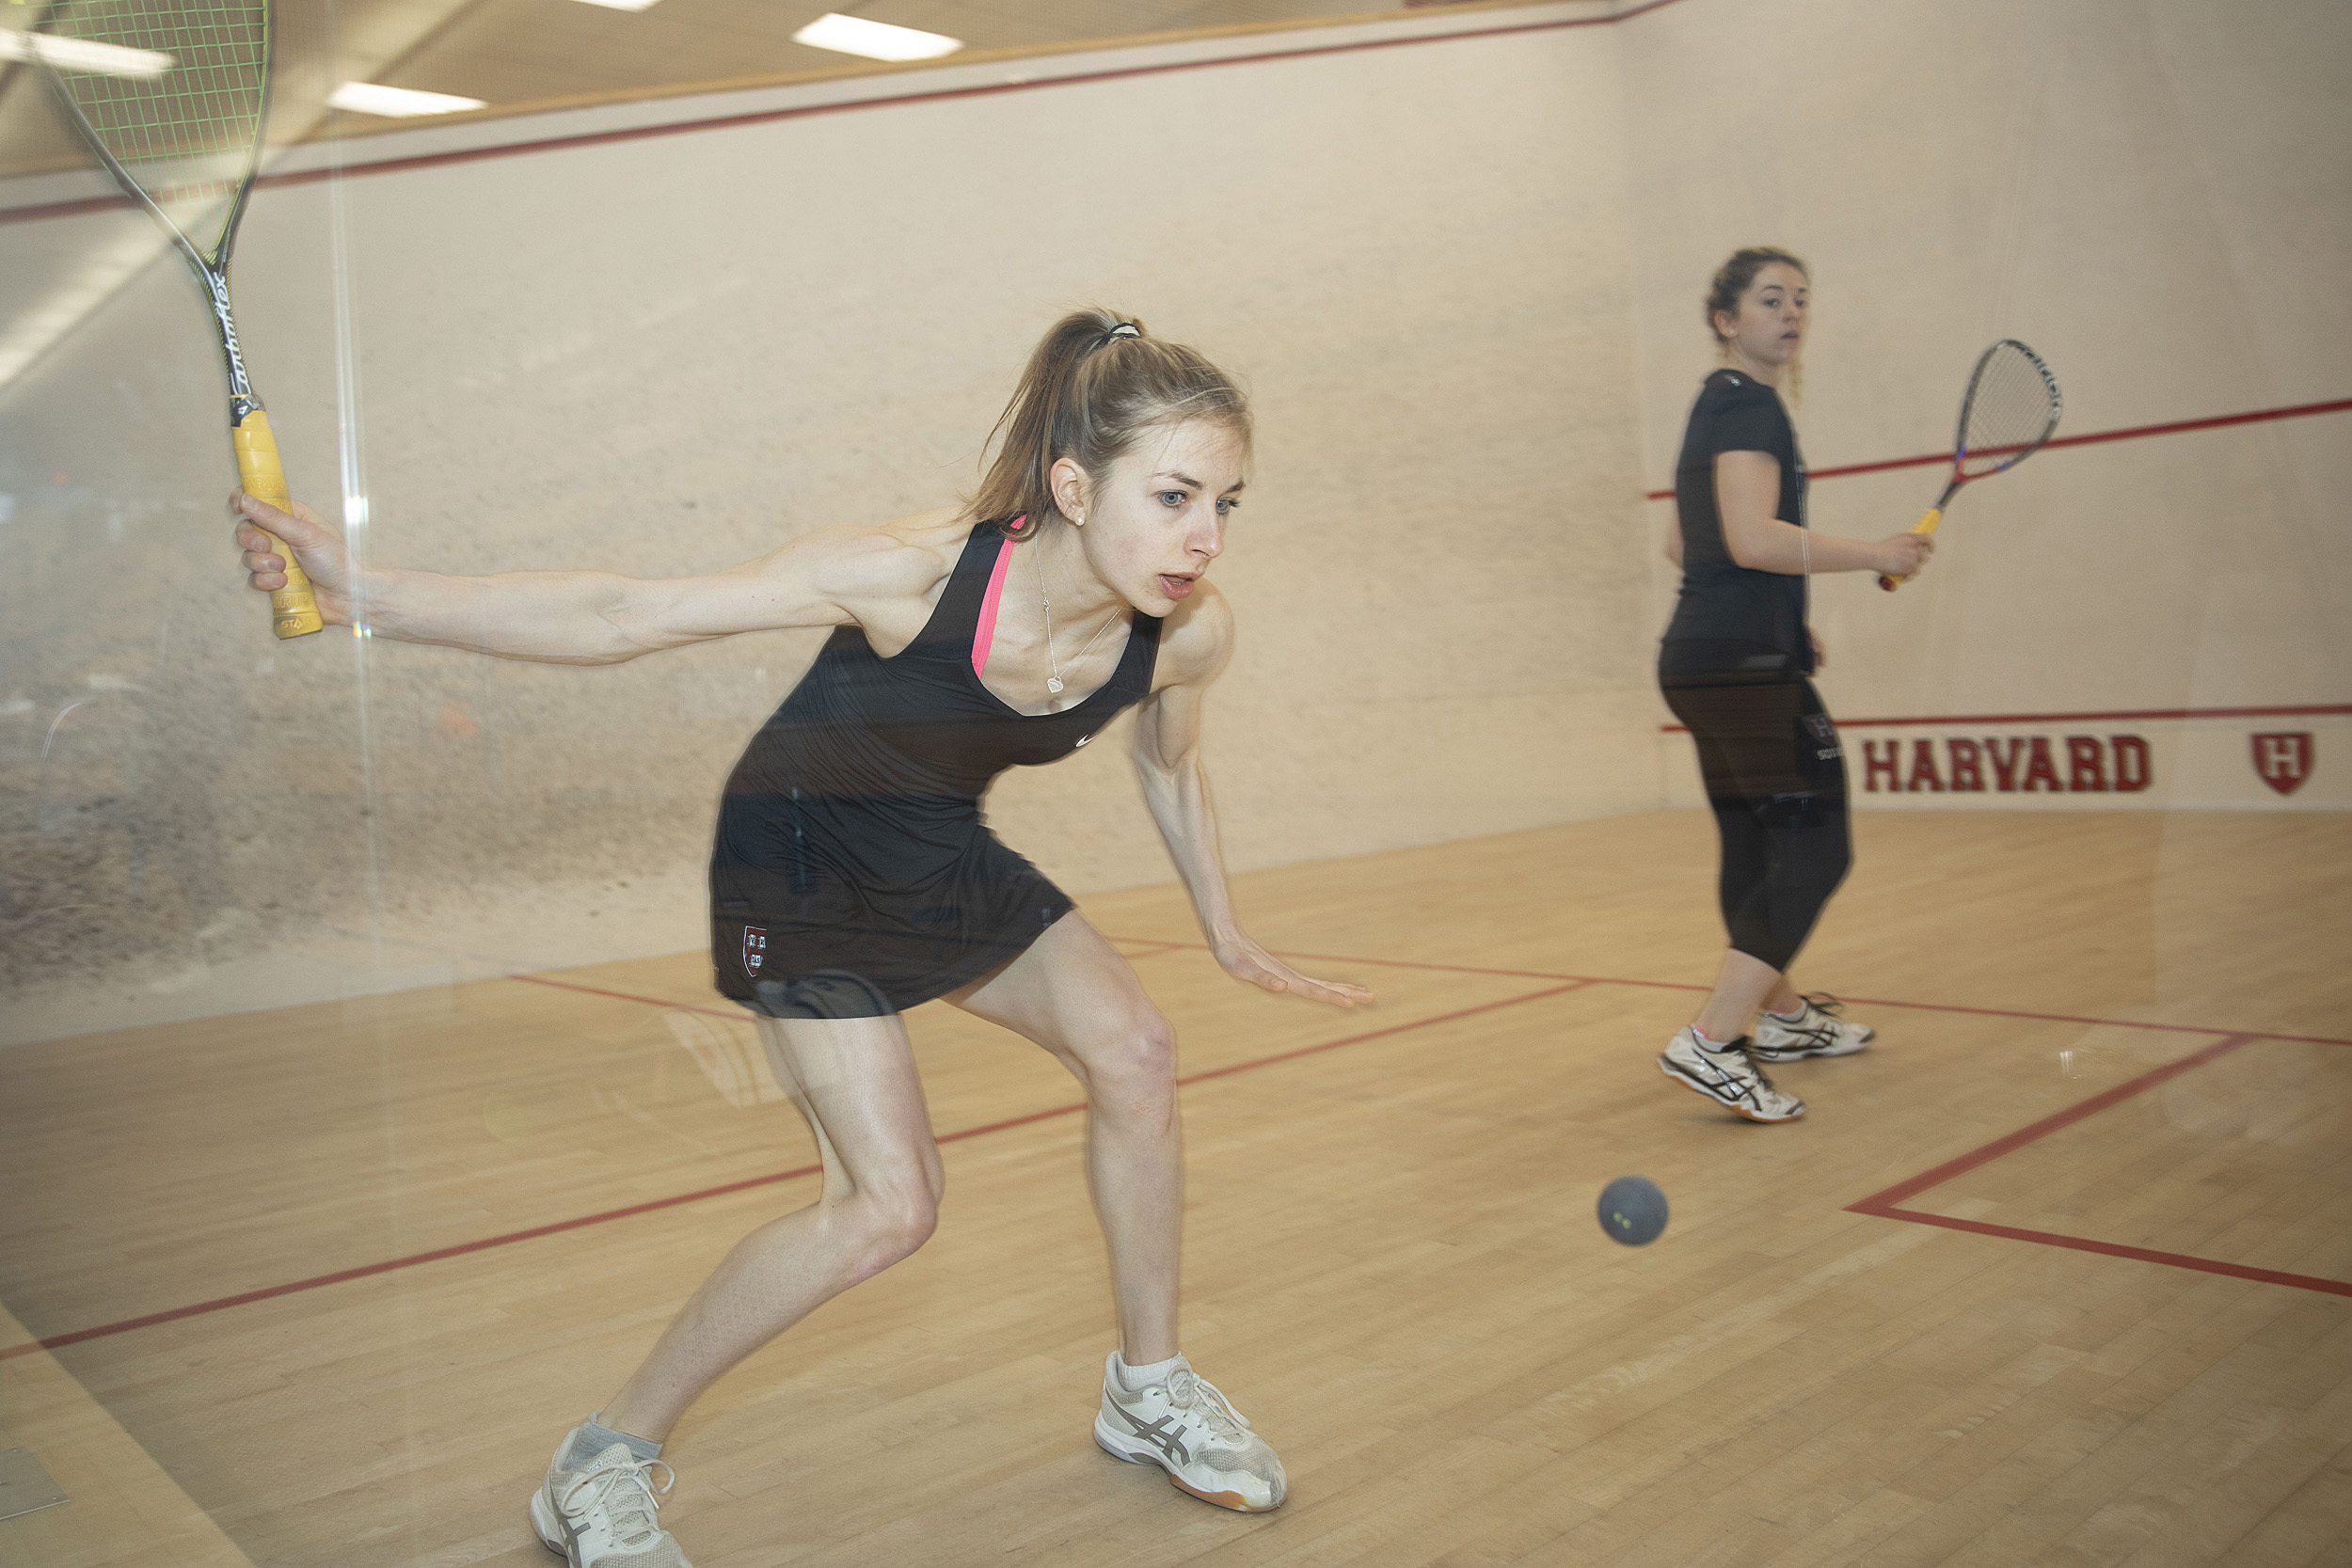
column 1460, row 279
column 2153, row 194
column 660, row 356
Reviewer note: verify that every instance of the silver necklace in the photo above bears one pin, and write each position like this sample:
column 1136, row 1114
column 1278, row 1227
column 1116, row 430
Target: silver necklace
column 1053, row 682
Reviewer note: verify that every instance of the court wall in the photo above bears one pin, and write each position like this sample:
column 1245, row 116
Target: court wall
column 2150, row 193
column 663, row 354
column 1460, row 280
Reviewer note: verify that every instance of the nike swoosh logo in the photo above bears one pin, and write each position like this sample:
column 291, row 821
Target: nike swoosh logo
column 1083, row 740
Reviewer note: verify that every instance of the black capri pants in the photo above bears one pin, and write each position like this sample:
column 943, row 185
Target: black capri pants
column 1776, row 780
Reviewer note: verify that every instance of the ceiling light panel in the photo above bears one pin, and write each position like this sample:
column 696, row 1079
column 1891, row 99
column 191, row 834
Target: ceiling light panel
column 103, row 59
column 875, row 41
column 397, row 102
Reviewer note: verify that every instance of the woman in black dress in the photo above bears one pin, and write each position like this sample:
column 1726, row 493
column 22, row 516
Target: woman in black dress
column 853, row 878
column 1735, row 665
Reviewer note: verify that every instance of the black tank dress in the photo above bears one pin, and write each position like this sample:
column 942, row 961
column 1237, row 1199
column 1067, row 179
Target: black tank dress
column 853, row 875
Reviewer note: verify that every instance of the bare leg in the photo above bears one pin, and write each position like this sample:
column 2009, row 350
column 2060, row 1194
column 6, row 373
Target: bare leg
column 1074, row 995
column 854, row 1079
column 1741, row 986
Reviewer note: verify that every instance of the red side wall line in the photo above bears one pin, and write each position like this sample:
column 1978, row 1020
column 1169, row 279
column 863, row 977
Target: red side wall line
column 1888, row 1204
column 1861, row 1001
column 2117, row 1249
column 765, row 116
column 738, row 1014
column 2305, row 711
column 556, row 1228
column 2089, row 439
column 1880, row 1202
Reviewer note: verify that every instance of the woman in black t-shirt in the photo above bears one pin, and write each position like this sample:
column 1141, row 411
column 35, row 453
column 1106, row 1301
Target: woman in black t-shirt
column 1734, row 665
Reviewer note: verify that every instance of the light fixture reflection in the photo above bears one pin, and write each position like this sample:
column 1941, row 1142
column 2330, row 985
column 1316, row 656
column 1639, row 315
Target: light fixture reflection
column 103, row 59
column 397, row 102
column 875, row 41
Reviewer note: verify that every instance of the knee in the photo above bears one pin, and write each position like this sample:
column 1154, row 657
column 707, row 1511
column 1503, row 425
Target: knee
column 1133, row 1069
column 891, row 1221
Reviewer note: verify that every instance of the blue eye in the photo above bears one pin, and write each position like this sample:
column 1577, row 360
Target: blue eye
column 1226, row 504
column 1172, row 498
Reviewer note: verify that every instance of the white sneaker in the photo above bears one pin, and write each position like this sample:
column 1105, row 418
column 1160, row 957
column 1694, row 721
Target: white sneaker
column 1727, row 1077
column 1190, row 1429
column 1816, row 1031
column 603, row 1516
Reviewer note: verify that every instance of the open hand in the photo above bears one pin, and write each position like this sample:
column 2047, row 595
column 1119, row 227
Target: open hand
column 319, row 549
column 1244, row 959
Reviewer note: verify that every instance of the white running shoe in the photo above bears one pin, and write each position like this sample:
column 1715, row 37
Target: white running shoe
column 1816, row 1031
column 1190, row 1429
column 603, row 1516
column 1729, row 1077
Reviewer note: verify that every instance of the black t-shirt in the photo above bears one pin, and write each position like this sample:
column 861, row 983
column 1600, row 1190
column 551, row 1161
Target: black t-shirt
column 1730, row 616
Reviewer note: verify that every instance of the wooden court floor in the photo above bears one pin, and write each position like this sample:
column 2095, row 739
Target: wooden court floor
column 2060, row 1272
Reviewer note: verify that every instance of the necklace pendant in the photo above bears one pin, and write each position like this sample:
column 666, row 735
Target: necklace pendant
column 1053, row 683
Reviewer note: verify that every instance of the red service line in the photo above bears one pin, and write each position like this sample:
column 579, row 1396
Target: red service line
column 1888, row 1204
column 557, row 1227
column 1861, row 1001
column 2089, row 439
column 2305, row 711
column 1561, row 984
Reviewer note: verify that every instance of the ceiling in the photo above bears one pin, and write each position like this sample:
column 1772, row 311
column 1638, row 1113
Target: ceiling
column 515, row 53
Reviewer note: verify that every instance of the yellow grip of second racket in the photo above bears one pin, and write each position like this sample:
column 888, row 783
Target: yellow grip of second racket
column 293, row 612
column 1925, row 525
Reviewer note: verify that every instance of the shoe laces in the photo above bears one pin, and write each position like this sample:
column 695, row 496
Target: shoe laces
column 1188, row 1390
column 1823, row 1002
column 632, row 1512
column 1737, row 1054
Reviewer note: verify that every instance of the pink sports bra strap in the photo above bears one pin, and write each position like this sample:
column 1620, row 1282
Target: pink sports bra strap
column 984, row 631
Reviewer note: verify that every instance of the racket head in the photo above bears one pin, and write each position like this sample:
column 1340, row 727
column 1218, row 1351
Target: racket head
column 172, row 96
column 2011, row 407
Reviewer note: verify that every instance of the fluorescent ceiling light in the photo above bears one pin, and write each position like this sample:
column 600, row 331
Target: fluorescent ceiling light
column 397, row 102
column 875, row 41
column 104, row 60
column 622, row 5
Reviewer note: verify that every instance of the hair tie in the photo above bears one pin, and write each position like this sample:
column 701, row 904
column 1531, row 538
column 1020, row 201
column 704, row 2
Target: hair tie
column 1125, row 329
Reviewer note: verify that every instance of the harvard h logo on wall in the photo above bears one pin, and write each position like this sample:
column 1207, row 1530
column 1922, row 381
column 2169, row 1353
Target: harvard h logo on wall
column 755, row 950
column 2282, row 760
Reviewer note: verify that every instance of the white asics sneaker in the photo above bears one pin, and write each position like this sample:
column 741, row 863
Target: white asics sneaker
column 1190, row 1429
column 1817, row 1031
column 603, row 1516
column 1729, row 1077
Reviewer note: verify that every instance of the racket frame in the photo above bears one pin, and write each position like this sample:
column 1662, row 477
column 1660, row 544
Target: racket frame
column 1934, row 515
column 293, row 609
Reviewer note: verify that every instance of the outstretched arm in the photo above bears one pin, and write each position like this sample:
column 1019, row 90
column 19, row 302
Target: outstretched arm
column 1176, row 787
column 579, row 617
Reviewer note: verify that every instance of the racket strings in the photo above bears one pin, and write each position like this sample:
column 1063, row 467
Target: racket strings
column 2013, row 407
column 174, row 92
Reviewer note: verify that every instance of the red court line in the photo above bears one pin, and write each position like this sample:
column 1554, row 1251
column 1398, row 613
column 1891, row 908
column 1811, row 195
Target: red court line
column 739, row 1014
column 728, row 122
column 2089, row 438
column 1888, row 1204
column 1862, row 1000
column 557, row 1227
column 2302, row 711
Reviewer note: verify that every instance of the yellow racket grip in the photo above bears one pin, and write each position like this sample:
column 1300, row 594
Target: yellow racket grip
column 293, row 612
column 1925, row 525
